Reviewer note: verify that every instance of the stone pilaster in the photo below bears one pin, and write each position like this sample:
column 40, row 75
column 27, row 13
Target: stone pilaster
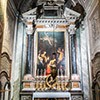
column 84, row 63
column 17, row 62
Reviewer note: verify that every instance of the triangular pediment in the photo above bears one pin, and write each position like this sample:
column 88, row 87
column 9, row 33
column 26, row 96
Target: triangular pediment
column 30, row 12
column 70, row 14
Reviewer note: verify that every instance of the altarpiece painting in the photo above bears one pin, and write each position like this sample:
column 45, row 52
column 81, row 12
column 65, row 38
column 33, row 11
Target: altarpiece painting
column 52, row 48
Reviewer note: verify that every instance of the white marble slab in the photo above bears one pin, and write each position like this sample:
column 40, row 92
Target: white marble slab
column 51, row 95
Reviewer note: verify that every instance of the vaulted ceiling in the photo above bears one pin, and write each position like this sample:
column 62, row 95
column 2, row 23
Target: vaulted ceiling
column 26, row 5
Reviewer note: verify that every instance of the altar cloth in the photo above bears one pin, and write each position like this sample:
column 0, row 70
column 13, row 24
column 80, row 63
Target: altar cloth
column 51, row 95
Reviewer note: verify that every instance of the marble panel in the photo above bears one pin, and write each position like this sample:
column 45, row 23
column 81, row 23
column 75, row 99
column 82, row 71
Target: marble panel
column 84, row 68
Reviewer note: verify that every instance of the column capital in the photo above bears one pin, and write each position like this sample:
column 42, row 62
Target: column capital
column 71, row 29
column 29, row 29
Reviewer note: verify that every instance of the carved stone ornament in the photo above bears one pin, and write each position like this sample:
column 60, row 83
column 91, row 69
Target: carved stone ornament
column 78, row 97
column 72, row 29
column 51, row 80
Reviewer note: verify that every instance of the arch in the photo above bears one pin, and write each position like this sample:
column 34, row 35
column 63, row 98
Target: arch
column 9, row 86
column 4, row 73
column 3, row 86
column 97, row 54
column 5, row 63
column 95, row 80
column 5, row 54
column 96, row 86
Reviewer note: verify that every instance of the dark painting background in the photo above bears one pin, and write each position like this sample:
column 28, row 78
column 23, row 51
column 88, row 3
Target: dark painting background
column 50, row 43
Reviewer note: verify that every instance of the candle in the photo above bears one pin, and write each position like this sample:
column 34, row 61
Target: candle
column 44, row 72
column 58, row 72
column 41, row 72
column 37, row 72
column 65, row 72
column 61, row 72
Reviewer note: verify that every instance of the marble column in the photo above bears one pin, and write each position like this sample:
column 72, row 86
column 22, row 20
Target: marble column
column 30, row 32
column 71, row 30
column 28, row 60
column 73, row 54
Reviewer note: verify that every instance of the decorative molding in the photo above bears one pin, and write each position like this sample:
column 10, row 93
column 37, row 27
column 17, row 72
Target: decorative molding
column 96, row 64
column 5, row 54
column 30, row 12
column 71, row 29
column 6, row 63
column 96, row 55
column 95, row 24
column 5, row 86
column 96, row 79
column 96, row 86
column 90, row 9
column 68, row 17
column 50, row 1
column 94, row 21
column 52, row 21
column 4, row 73
column 78, row 97
column 1, row 35
column 26, row 98
column 71, row 14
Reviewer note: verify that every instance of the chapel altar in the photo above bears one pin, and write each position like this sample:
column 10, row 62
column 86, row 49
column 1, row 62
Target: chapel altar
column 51, row 71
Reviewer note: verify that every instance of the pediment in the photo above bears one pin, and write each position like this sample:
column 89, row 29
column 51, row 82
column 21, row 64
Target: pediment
column 69, row 15
column 31, row 14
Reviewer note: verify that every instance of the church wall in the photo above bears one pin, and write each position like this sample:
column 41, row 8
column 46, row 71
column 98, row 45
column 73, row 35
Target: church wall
column 7, row 36
column 2, row 14
column 87, row 4
column 92, row 25
column 7, row 20
column 94, row 29
column 7, row 46
column 13, row 53
column 1, row 24
column 90, row 45
column 19, row 59
column 89, row 40
column 93, row 17
column 82, row 61
column 94, row 20
column 84, row 64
